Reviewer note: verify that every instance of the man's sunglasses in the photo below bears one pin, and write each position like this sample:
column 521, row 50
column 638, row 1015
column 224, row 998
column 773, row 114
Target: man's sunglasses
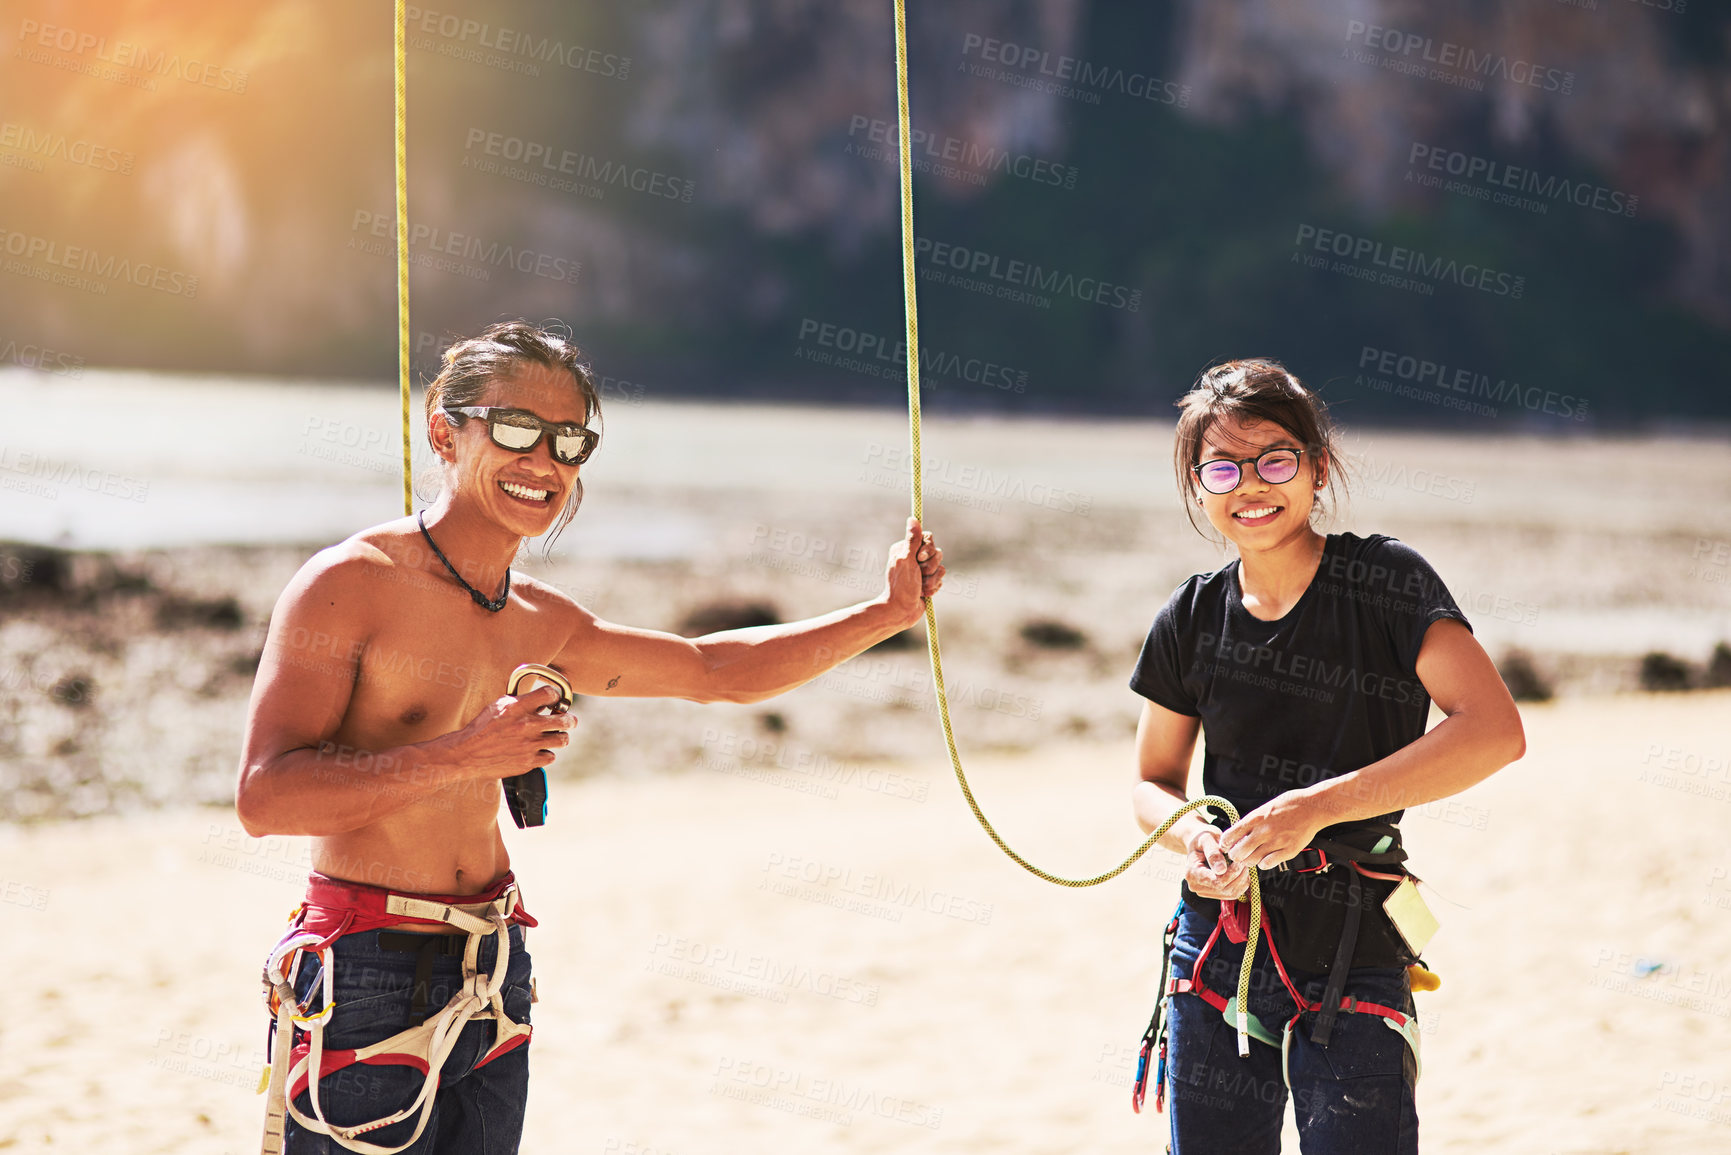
column 520, row 431
column 1222, row 475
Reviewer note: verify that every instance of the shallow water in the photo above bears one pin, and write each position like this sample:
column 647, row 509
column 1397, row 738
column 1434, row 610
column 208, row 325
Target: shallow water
column 119, row 460
column 1579, row 543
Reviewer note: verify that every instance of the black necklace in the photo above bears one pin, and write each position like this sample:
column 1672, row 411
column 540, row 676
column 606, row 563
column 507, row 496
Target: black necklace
column 493, row 605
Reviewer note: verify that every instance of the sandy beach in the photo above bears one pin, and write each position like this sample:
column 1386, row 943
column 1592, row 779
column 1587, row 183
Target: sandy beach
column 744, row 958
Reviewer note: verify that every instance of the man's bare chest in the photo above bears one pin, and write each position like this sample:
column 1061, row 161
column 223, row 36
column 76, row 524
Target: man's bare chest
column 435, row 661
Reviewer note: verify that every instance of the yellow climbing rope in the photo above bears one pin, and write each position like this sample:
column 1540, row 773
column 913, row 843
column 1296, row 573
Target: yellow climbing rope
column 402, row 118
column 910, row 310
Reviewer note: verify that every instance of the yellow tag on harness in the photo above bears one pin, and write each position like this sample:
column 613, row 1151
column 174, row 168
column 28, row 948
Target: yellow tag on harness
column 263, row 1080
column 1412, row 919
column 1422, row 978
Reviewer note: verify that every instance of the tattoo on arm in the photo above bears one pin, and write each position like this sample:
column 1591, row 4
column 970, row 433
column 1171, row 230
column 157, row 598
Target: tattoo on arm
column 615, row 681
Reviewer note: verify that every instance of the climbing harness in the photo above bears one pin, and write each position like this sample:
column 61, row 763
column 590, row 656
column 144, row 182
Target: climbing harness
column 1237, row 921
column 334, row 908
column 1233, row 922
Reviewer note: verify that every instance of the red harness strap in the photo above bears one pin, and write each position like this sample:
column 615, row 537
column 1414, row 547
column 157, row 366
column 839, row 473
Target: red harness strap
column 334, row 907
column 1235, row 922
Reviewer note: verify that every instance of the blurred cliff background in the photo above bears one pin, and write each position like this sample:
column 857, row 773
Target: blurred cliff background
column 704, row 184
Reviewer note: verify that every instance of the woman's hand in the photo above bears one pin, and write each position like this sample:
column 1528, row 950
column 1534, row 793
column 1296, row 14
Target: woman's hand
column 1208, row 871
column 1273, row 832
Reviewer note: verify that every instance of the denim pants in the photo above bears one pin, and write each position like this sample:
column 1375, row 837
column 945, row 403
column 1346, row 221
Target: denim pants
column 478, row 1111
column 1353, row 1097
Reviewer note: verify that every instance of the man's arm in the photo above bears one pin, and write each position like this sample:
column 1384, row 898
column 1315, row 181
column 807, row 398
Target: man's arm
column 294, row 779
column 747, row 665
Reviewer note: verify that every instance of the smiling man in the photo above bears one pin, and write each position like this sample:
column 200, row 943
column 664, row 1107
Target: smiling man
column 379, row 725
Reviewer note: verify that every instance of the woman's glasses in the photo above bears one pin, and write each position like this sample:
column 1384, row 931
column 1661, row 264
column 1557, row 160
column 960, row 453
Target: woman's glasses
column 520, row 431
column 1275, row 466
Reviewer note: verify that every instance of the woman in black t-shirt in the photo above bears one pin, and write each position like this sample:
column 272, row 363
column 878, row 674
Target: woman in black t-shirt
column 1309, row 665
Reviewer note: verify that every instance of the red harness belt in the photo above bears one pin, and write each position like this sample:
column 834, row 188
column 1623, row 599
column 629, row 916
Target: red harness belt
column 335, row 907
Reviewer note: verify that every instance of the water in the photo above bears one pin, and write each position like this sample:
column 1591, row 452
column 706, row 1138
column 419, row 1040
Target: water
column 1584, row 544
column 122, row 460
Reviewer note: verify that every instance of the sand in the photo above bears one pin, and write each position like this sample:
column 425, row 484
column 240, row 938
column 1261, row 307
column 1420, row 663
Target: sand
column 742, row 958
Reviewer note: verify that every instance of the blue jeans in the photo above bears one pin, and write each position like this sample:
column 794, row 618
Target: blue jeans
column 1353, row 1097
column 476, row 1112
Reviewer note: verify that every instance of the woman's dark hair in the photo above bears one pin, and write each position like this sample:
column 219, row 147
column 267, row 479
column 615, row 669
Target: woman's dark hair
column 472, row 363
column 1252, row 389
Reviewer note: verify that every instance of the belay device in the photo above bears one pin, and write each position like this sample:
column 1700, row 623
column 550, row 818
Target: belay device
column 526, row 794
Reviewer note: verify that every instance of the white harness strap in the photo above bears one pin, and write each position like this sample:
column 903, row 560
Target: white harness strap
column 432, row 1041
column 278, row 984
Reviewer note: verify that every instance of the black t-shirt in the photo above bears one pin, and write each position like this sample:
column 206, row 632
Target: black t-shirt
column 1327, row 689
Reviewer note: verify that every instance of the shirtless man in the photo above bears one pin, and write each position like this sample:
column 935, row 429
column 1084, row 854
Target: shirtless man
column 379, row 726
